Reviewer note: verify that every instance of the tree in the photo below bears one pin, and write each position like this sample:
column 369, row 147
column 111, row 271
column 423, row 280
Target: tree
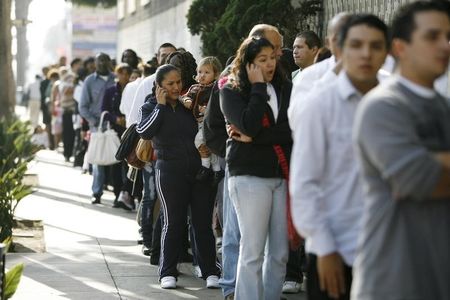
column 223, row 25
column 7, row 90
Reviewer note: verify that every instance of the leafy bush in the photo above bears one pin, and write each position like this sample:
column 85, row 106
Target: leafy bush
column 16, row 151
column 223, row 25
column 12, row 279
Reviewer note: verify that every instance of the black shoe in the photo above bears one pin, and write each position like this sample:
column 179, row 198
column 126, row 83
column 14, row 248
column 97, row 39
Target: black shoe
column 203, row 174
column 124, row 205
column 146, row 250
column 217, row 177
column 95, row 200
column 140, row 242
column 116, row 204
column 185, row 258
column 154, row 259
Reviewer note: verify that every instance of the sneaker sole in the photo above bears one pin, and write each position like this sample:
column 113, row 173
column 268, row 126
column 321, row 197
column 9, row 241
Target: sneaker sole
column 124, row 206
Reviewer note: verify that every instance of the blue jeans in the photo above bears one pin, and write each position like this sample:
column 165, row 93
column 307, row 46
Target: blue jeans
column 260, row 205
column 230, row 242
column 148, row 204
column 98, row 172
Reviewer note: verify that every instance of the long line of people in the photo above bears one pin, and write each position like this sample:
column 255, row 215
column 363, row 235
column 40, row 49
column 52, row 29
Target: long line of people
column 347, row 151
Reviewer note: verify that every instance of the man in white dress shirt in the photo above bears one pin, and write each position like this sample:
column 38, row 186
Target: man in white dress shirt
column 304, row 50
column 325, row 189
column 303, row 83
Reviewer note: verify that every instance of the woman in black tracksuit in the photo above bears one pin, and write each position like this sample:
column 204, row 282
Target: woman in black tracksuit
column 172, row 129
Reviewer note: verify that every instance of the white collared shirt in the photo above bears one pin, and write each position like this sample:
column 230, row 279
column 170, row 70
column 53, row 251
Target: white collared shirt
column 145, row 88
column 304, row 82
column 324, row 180
column 127, row 99
column 417, row 89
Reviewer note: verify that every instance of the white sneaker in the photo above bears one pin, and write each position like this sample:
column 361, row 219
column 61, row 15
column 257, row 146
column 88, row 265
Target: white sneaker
column 212, row 282
column 168, row 282
column 198, row 271
column 291, row 287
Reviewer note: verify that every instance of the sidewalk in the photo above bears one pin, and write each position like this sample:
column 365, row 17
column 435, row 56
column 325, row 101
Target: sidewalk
column 91, row 250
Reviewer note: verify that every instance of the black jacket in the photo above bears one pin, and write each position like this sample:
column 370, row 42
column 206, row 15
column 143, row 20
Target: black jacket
column 214, row 127
column 172, row 131
column 246, row 111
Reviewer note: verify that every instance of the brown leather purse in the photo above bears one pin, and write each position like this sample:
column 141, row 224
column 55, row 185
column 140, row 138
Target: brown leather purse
column 144, row 150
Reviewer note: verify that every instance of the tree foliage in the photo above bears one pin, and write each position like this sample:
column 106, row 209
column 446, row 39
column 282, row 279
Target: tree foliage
column 223, row 25
column 16, row 151
column 104, row 3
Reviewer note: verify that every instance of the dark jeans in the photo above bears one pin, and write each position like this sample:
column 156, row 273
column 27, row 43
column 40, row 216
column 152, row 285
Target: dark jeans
column 148, row 204
column 68, row 133
column 313, row 283
column 80, row 147
column 296, row 265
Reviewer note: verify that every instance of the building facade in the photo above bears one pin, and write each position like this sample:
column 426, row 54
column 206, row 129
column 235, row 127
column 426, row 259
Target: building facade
column 94, row 30
column 146, row 24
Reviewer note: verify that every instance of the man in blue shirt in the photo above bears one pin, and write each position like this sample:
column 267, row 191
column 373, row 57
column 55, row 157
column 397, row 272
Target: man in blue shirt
column 90, row 108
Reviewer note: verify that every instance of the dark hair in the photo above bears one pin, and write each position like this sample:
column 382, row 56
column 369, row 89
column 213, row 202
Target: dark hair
column 246, row 54
column 322, row 54
column 137, row 72
column 88, row 60
column 161, row 73
column 185, row 62
column 75, row 61
column 81, row 75
column 166, row 45
column 150, row 67
column 311, row 38
column 403, row 24
column 362, row 19
column 134, row 55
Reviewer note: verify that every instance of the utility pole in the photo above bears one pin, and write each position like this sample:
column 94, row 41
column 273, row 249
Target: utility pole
column 21, row 22
column 7, row 98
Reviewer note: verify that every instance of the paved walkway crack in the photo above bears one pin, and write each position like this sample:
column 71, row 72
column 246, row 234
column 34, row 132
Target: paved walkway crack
column 109, row 270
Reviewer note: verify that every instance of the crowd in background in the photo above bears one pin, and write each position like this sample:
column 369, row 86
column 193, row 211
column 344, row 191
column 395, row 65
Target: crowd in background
column 315, row 168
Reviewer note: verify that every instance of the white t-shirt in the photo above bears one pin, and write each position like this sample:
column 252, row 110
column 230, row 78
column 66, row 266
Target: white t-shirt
column 273, row 101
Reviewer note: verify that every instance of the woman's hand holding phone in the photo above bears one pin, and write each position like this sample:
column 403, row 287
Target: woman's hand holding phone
column 161, row 95
column 254, row 73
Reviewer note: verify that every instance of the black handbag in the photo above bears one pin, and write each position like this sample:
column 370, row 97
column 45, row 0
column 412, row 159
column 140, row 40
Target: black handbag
column 128, row 142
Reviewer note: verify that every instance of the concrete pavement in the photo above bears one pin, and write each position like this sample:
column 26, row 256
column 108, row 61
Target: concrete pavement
column 91, row 250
